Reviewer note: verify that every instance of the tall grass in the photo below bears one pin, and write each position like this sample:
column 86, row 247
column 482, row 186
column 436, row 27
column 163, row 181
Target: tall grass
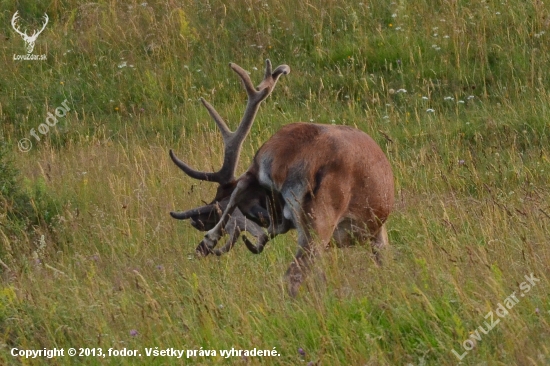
column 456, row 93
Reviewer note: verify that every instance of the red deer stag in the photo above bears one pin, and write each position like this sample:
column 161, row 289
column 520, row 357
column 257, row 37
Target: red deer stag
column 325, row 181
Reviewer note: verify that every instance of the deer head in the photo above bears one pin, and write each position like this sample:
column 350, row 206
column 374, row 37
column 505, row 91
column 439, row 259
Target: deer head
column 206, row 217
column 202, row 217
column 29, row 40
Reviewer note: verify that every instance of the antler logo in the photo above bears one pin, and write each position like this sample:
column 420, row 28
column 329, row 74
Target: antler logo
column 29, row 40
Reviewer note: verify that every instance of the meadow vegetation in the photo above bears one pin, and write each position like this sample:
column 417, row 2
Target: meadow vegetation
column 455, row 92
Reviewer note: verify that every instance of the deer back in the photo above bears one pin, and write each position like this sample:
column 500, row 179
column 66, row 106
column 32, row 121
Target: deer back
column 301, row 157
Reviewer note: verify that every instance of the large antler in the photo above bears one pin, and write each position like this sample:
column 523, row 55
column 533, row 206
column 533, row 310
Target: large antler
column 233, row 140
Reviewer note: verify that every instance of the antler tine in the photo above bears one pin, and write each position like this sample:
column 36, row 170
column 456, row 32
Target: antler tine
column 256, row 248
column 267, row 73
column 193, row 212
column 270, row 78
column 209, row 177
column 281, row 69
column 250, row 90
column 226, row 133
column 255, row 97
column 232, row 148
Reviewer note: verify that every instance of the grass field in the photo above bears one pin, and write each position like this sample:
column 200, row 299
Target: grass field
column 455, row 92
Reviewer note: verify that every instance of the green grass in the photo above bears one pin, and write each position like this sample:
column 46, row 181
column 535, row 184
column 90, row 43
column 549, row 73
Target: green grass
column 90, row 257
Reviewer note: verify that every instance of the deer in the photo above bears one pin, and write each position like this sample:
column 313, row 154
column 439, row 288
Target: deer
column 29, row 40
column 328, row 182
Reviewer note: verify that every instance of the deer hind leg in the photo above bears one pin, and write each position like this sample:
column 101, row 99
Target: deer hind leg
column 380, row 241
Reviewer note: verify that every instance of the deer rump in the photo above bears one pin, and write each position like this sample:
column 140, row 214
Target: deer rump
column 325, row 181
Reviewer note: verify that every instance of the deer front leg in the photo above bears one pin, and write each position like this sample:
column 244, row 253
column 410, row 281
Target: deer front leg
column 307, row 252
column 315, row 228
column 303, row 259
